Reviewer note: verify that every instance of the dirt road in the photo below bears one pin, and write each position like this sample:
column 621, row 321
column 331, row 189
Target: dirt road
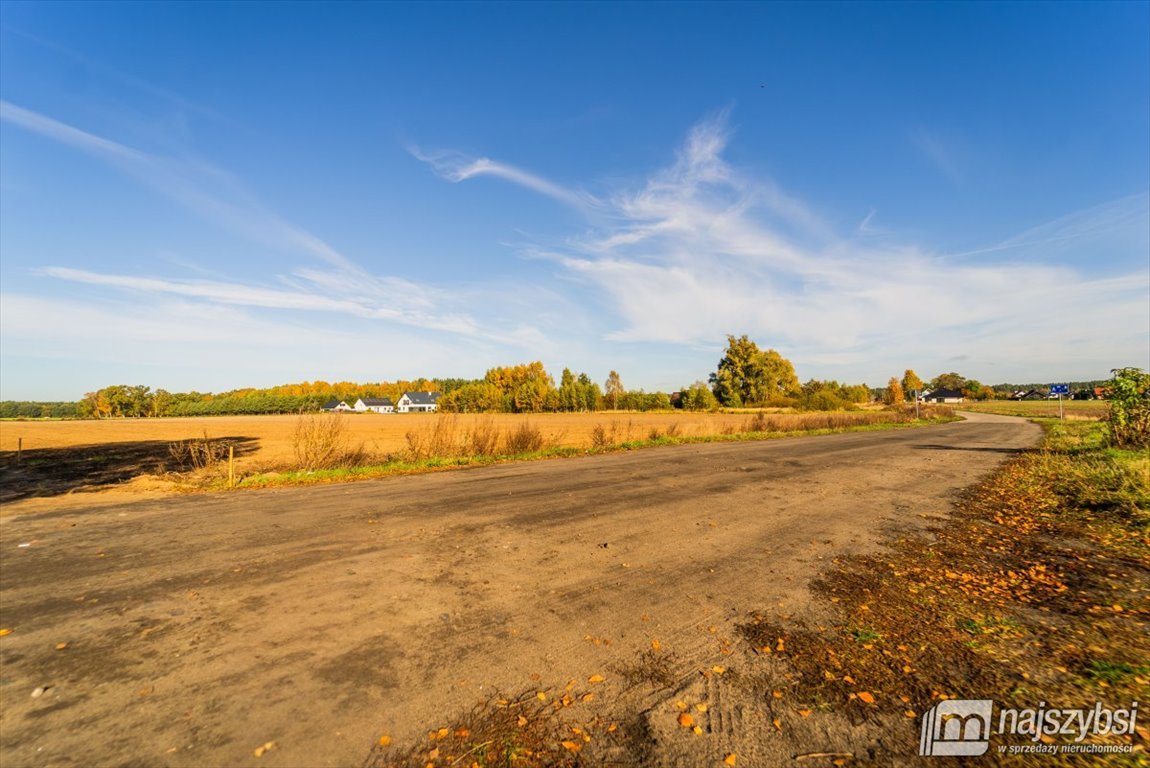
column 190, row 631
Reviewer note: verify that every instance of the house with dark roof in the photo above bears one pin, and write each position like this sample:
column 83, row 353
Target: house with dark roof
column 418, row 402
column 336, row 405
column 1033, row 394
column 944, row 396
column 375, row 405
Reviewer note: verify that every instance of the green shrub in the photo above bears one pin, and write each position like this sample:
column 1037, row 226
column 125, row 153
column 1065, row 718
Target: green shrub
column 1129, row 417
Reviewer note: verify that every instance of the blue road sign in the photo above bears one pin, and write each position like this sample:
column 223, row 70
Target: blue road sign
column 1060, row 389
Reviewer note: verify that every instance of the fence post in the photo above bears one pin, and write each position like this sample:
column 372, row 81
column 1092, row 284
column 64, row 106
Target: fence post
column 19, row 448
column 231, row 466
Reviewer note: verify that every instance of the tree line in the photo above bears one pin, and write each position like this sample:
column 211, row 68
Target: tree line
column 746, row 377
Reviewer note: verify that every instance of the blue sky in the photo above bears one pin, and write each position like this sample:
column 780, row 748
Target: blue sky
column 207, row 196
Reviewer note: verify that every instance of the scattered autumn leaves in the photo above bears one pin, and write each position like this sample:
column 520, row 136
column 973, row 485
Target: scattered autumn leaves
column 1019, row 594
column 537, row 728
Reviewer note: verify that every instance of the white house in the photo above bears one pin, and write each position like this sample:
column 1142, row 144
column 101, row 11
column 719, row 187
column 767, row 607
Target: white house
column 375, row 404
column 418, row 402
column 336, row 405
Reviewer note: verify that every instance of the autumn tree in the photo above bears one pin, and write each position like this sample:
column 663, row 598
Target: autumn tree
column 613, row 390
column 589, row 392
column 748, row 376
column 952, row 380
column 698, row 397
column 569, row 399
column 477, row 397
column 526, row 388
column 894, row 394
column 911, row 383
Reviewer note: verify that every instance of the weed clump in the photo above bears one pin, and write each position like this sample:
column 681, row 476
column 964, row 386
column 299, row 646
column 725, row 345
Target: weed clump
column 525, row 438
column 199, row 454
column 439, row 441
column 320, row 442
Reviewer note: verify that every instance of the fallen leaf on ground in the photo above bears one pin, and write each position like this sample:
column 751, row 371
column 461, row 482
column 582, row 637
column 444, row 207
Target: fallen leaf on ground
column 574, row 746
column 804, row 713
column 866, row 696
column 656, row 645
column 730, row 759
column 718, row 670
column 267, row 747
column 596, row 679
column 686, row 720
column 385, row 741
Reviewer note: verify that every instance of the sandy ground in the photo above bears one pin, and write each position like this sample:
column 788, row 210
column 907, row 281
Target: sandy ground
column 190, row 631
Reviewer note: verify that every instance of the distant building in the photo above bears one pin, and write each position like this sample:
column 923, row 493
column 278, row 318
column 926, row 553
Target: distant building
column 1032, row 394
column 944, row 396
column 336, row 405
column 375, row 405
column 418, row 402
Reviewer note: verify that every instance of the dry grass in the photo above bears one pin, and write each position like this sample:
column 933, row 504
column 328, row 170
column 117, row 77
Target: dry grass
column 1048, row 409
column 423, row 435
column 320, row 441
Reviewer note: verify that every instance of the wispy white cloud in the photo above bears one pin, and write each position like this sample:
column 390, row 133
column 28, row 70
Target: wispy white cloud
column 456, row 167
column 945, row 156
column 210, row 192
column 181, row 343
column 1112, row 229
column 113, row 74
column 67, row 134
column 700, row 250
column 339, row 285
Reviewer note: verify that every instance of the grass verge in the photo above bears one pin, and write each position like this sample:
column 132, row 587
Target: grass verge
column 1037, row 590
column 406, row 466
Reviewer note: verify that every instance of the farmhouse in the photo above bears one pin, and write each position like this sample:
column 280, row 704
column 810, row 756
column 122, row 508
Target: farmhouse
column 336, row 405
column 944, row 396
column 375, row 404
column 1033, row 394
column 417, row 402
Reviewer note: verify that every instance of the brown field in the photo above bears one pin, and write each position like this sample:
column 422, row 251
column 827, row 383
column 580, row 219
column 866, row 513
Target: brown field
column 272, row 445
column 155, row 457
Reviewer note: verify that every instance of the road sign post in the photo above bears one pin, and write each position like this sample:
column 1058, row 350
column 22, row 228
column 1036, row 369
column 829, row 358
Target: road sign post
column 1060, row 390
